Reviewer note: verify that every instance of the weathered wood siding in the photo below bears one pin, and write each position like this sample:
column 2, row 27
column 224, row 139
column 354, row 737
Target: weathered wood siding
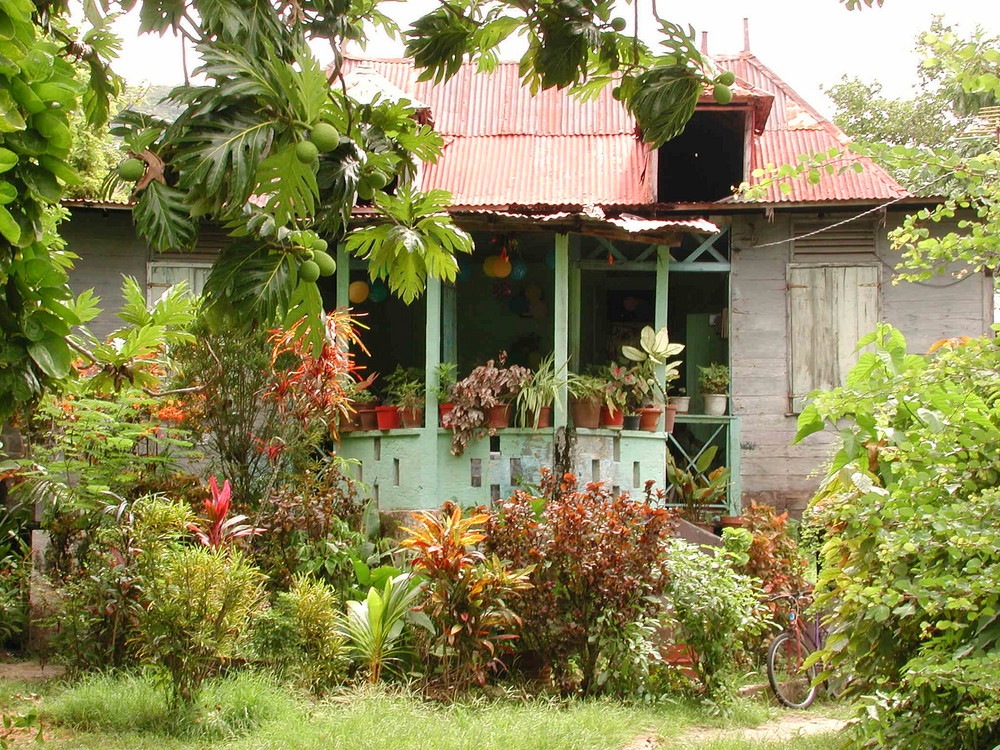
column 109, row 249
column 774, row 470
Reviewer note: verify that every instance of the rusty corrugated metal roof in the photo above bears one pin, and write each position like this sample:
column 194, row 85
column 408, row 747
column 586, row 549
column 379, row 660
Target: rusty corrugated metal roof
column 794, row 128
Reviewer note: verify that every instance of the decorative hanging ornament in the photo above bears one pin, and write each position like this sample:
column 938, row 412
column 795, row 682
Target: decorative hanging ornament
column 488, row 266
column 533, row 292
column 380, row 292
column 550, row 258
column 518, row 270
column 357, row 292
column 501, row 267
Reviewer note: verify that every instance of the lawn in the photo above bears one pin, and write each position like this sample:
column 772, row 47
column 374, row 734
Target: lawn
column 251, row 713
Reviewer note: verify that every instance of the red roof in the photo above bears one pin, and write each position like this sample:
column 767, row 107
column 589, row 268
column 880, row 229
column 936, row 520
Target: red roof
column 795, row 128
column 505, row 146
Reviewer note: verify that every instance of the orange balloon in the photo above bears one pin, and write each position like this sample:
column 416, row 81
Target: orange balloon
column 501, row 267
column 488, row 265
column 358, row 292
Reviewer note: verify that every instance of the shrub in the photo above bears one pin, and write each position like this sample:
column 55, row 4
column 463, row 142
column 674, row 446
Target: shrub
column 201, row 602
column 597, row 570
column 911, row 574
column 299, row 635
column 711, row 608
column 467, row 594
column 774, row 558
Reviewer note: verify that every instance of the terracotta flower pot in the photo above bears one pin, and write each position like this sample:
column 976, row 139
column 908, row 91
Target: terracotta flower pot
column 350, row 422
column 367, row 418
column 498, row 416
column 586, row 414
column 388, row 417
column 649, row 418
column 732, row 522
column 443, row 411
column 611, row 419
column 542, row 420
column 631, row 421
column 668, row 417
column 412, row 417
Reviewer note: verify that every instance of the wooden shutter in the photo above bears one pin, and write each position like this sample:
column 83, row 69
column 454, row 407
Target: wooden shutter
column 830, row 308
column 163, row 275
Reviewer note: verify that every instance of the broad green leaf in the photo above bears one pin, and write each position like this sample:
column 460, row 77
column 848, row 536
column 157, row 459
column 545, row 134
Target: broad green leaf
column 162, row 218
column 9, row 228
column 52, row 355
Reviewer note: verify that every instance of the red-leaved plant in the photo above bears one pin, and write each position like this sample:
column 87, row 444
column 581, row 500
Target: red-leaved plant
column 598, row 568
column 218, row 531
column 467, row 594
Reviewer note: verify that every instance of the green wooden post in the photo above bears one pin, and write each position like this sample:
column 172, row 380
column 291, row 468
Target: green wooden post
column 343, row 276
column 560, row 309
column 574, row 304
column 432, row 349
column 449, row 323
column 661, row 298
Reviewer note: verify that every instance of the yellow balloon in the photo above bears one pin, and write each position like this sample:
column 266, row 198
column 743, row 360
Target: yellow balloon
column 357, row 292
column 501, row 267
column 488, row 265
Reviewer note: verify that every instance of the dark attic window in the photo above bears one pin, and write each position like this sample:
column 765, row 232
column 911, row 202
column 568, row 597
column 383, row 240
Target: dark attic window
column 706, row 161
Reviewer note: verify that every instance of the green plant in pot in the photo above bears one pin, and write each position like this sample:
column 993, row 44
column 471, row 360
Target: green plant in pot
column 653, row 371
column 405, row 389
column 483, row 400
column 680, row 400
column 537, row 394
column 587, row 393
column 447, row 374
column 697, row 488
column 713, row 382
column 619, row 395
column 363, row 402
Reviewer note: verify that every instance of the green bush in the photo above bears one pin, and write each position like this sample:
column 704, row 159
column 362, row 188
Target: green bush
column 911, row 574
column 201, row 602
column 712, row 609
column 299, row 635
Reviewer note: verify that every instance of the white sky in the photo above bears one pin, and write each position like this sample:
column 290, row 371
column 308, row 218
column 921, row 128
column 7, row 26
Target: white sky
column 809, row 43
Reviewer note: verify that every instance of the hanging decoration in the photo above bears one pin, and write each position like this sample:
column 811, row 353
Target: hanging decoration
column 533, row 292
column 550, row 258
column 488, row 265
column 501, row 290
column 357, row 292
column 518, row 270
column 501, row 266
column 380, row 292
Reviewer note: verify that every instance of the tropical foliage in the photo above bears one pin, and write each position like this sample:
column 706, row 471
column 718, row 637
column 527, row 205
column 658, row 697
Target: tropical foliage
column 910, row 574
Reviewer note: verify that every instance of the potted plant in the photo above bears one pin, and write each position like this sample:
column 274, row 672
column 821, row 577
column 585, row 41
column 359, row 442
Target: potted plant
column 681, row 402
column 653, row 353
column 713, row 382
column 405, row 388
column 537, row 394
column 447, row 374
column 587, row 393
column 364, row 405
column 697, row 488
column 483, row 400
column 620, row 384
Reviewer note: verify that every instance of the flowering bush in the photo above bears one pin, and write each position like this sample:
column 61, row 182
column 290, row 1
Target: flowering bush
column 486, row 386
column 597, row 563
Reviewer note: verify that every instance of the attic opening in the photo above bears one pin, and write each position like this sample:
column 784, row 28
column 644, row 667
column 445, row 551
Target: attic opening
column 705, row 162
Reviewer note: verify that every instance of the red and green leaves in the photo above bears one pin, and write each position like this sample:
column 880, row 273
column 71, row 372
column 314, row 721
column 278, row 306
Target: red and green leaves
column 219, row 530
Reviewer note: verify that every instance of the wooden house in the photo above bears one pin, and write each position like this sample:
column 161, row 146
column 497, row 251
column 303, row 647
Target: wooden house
column 609, row 235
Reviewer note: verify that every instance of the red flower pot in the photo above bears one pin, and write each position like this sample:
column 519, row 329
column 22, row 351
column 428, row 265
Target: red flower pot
column 412, row 417
column 367, row 418
column 669, row 412
column 586, row 414
column 498, row 416
column 649, row 418
column 542, row 420
column 612, row 419
column 443, row 411
column 388, row 417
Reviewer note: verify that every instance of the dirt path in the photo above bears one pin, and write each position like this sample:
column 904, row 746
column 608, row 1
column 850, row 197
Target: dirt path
column 29, row 671
column 782, row 729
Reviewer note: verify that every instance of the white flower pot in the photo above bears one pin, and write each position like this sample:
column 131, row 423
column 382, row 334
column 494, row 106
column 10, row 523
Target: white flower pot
column 683, row 403
column 715, row 403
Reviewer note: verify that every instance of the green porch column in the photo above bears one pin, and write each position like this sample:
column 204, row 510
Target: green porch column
column 432, row 349
column 343, row 275
column 560, row 314
column 574, row 304
column 661, row 299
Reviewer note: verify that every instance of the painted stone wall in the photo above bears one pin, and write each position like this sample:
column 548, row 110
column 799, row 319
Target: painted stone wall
column 773, row 470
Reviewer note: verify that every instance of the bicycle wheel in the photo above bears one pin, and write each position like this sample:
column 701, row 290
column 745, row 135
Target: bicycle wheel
column 790, row 682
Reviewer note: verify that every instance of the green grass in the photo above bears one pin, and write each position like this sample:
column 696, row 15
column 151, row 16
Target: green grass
column 246, row 712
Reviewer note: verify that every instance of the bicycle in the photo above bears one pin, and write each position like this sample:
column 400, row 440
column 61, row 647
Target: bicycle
column 794, row 686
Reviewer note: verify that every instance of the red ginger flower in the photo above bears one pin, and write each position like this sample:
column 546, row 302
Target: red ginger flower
column 220, row 531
